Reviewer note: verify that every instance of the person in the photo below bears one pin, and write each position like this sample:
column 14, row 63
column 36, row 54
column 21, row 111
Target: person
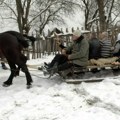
column 106, row 56
column 116, row 51
column 74, row 55
column 106, row 46
column 94, row 47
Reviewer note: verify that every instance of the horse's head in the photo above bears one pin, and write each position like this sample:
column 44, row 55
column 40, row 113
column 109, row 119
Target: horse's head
column 30, row 38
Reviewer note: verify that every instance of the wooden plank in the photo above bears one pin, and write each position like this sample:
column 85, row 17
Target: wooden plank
column 103, row 66
column 77, row 81
column 34, row 66
column 90, row 68
column 80, row 69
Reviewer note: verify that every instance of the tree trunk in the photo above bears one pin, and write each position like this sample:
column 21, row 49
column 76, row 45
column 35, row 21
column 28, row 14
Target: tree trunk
column 86, row 3
column 22, row 17
column 102, row 17
column 20, row 14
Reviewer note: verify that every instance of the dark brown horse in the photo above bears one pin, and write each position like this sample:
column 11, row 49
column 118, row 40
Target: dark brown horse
column 3, row 65
column 11, row 45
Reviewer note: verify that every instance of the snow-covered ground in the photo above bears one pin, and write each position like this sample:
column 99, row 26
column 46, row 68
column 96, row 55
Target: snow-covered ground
column 52, row 99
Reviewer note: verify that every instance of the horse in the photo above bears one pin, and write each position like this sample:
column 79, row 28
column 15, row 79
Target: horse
column 30, row 40
column 3, row 62
column 11, row 45
column 4, row 67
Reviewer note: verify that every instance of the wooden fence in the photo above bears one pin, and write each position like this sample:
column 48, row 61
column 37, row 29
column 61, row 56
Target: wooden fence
column 47, row 46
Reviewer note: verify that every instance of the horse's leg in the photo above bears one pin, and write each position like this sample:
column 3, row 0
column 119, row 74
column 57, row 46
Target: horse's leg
column 13, row 69
column 3, row 63
column 22, row 64
column 24, row 59
column 28, row 76
column 17, row 71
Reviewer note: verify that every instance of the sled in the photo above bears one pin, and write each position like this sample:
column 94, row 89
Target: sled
column 92, row 73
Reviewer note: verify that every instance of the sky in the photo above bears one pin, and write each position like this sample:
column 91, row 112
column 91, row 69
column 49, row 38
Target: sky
column 77, row 20
column 53, row 99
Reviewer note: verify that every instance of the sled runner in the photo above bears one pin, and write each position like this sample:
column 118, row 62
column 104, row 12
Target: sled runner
column 85, row 74
column 77, row 81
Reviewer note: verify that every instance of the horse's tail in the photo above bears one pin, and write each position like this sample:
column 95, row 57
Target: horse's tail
column 19, row 37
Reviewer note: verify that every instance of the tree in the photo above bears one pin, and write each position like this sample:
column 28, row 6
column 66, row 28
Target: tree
column 23, row 10
column 91, row 13
column 98, row 12
column 90, row 9
column 49, row 11
column 102, row 17
column 29, row 13
column 116, row 12
column 105, row 8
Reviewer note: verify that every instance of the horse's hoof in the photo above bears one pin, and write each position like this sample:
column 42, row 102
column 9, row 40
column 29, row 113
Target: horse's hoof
column 6, row 85
column 29, row 86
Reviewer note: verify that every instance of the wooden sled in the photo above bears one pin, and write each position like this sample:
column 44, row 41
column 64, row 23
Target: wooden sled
column 95, row 67
column 86, row 74
column 93, row 73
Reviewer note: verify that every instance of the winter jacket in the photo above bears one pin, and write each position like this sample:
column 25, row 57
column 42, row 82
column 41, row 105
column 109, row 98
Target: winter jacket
column 79, row 52
column 94, row 48
column 116, row 51
column 105, row 48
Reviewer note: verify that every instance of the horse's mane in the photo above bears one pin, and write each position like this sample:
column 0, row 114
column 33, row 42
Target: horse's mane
column 31, row 38
column 19, row 37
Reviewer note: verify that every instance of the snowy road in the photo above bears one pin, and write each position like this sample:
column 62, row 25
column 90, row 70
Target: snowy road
column 56, row 100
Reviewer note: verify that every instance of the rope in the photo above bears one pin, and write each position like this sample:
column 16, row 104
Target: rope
column 28, row 66
column 35, row 76
column 39, row 76
column 15, row 70
column 30, row 73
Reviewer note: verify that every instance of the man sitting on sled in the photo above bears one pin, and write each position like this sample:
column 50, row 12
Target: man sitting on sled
column 74, row 55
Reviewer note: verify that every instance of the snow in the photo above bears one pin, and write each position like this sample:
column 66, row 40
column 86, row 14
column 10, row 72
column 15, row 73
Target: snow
column 53, row 99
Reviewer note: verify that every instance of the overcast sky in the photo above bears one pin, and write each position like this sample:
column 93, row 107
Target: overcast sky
column 75, row 21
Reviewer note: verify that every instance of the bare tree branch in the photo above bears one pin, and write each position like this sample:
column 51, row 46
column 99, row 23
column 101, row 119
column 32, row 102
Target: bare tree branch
column 10, row 8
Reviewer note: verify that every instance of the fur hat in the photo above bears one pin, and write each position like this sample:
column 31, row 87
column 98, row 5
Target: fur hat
column 77, row 33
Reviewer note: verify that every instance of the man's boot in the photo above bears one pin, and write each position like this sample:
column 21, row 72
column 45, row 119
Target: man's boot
column 46, row 65
column 53, row 70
